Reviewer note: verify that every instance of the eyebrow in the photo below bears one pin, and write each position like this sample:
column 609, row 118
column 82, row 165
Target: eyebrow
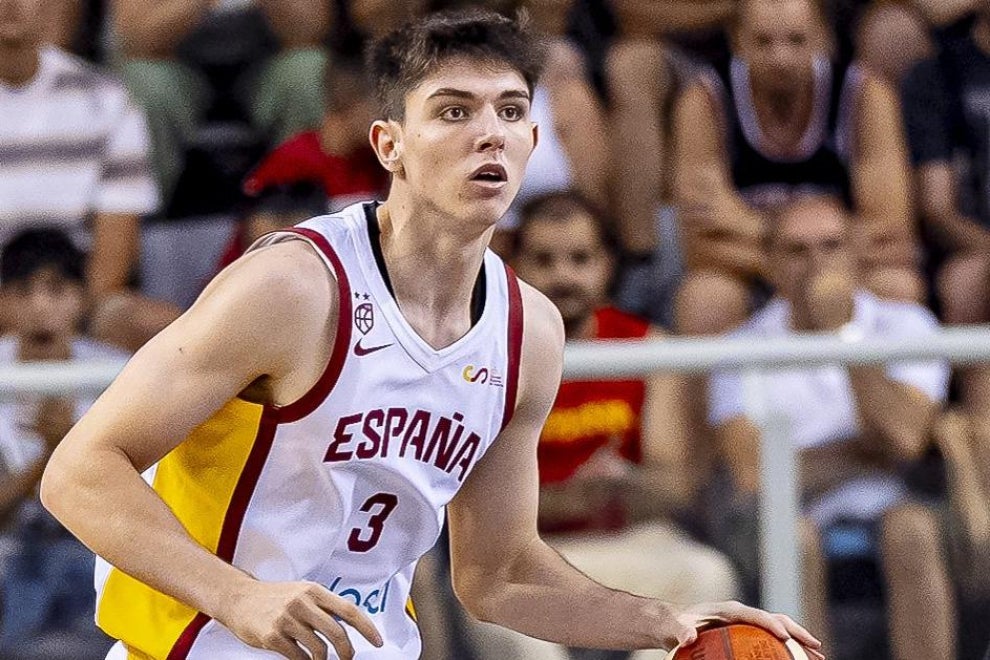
column 462, row 94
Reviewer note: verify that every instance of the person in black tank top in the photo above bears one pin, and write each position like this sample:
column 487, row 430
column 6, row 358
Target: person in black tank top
column 776, row 122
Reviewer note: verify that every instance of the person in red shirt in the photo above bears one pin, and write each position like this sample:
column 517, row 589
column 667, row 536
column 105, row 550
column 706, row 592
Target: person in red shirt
column 612, row 455
column 317, row 171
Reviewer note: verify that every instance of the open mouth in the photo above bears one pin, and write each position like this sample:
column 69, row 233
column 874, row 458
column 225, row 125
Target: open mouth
column 490, row 173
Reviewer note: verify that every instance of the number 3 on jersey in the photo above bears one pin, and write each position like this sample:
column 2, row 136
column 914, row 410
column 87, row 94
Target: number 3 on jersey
column 387, row 502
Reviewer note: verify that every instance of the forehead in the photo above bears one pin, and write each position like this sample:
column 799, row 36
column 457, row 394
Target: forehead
column 480, row 78
column 575, row 231
column 767, row 15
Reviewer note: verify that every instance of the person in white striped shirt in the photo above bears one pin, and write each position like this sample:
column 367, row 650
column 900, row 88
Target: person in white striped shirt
column 74, row 155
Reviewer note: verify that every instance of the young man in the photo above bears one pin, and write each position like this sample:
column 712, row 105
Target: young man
column 311, row 415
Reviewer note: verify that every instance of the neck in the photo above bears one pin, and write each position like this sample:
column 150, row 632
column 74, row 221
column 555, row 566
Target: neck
column 18, row 65
column 432, row 268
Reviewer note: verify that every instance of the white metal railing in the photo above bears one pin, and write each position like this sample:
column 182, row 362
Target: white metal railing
column 779, row 509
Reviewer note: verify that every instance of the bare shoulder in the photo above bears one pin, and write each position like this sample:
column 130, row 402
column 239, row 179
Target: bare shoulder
column 246, row 307
column 542, row 356
column 543, row 329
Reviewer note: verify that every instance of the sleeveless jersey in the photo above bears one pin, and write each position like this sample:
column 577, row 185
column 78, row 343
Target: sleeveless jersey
column 821, row 164
column 347, row 486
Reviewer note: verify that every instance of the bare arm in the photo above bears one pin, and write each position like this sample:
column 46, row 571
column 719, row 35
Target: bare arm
column 659, row 17
column 234, row 336
column 739, row 445
column 937, row 195
column 518, row 581
column 298, row 23
column 115, row 252
column 152, row 28
column 881, row 178
column 579, row 120
column 945, row 12
column 899, row 415
column 720, row 230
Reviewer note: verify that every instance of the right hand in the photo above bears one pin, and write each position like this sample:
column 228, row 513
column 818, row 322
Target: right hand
column 285, row 617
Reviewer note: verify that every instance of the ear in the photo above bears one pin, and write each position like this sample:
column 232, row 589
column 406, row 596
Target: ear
column 536, row 136
column 386, row 139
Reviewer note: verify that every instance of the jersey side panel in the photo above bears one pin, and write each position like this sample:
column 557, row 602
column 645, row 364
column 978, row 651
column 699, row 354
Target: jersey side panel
column 198, row 482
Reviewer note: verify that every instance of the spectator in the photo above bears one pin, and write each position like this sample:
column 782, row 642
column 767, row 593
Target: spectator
column 73, row 155
column 855, row 429
column 179, row 55
column 611, row 455
column 318, row 171
column 657, row 47
column 45, row 574
column 947, row 109
column 776, row 121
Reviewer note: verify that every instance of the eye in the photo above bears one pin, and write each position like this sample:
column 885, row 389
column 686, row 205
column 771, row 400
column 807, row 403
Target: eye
column 453, row 113
column 580, row 258
column 511, row 113
column 797, row 39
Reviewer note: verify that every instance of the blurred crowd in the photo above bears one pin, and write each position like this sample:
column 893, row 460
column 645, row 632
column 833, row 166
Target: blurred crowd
column 756, row 168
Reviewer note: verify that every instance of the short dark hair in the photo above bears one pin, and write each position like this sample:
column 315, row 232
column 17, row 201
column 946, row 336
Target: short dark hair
column 34, row 249
column 561, row 205
column 400, row 60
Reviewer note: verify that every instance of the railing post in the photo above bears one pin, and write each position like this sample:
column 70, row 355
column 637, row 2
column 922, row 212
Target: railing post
column 780, row 504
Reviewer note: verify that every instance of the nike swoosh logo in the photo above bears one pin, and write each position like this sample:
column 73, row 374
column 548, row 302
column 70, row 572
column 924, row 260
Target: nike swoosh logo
column 361, row 351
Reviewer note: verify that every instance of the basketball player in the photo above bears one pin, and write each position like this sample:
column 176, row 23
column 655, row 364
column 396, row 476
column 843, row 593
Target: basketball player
column 304, row 424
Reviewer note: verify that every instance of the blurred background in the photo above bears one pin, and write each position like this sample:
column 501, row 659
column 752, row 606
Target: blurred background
column 751, row 168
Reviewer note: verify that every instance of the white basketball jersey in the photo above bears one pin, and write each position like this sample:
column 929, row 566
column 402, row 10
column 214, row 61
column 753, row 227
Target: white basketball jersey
column 347, row 486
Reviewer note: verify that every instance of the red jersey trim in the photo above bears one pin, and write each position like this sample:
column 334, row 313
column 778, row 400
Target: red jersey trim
column 515, row 333
column 233, row 519
column 342, row 343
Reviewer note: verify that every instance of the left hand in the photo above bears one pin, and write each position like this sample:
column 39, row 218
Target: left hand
column 690, row 619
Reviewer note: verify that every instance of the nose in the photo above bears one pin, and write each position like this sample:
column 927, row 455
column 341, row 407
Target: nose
column 491, row 132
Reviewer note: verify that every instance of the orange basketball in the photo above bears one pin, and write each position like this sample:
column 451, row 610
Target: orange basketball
column 738, row 641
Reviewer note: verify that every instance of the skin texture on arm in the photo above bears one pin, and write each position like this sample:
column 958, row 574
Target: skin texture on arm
column 152, row 28
column 738, row 441
column 504, row 573
column 234, row 336
column 720, row 230
column 659, row 17
column 519, row 581
column 945, row 12
column 898, row 415
column 937, row 194
column 116, row 244
column 579, row 120
column 881, row 179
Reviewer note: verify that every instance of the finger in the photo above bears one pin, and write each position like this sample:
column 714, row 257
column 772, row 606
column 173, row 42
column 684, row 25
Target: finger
column 687, row 635
column 325, row 624
column 350, row 613
column 305, row 636
column 739, row 612
column 798, row 632
column 286, row 648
